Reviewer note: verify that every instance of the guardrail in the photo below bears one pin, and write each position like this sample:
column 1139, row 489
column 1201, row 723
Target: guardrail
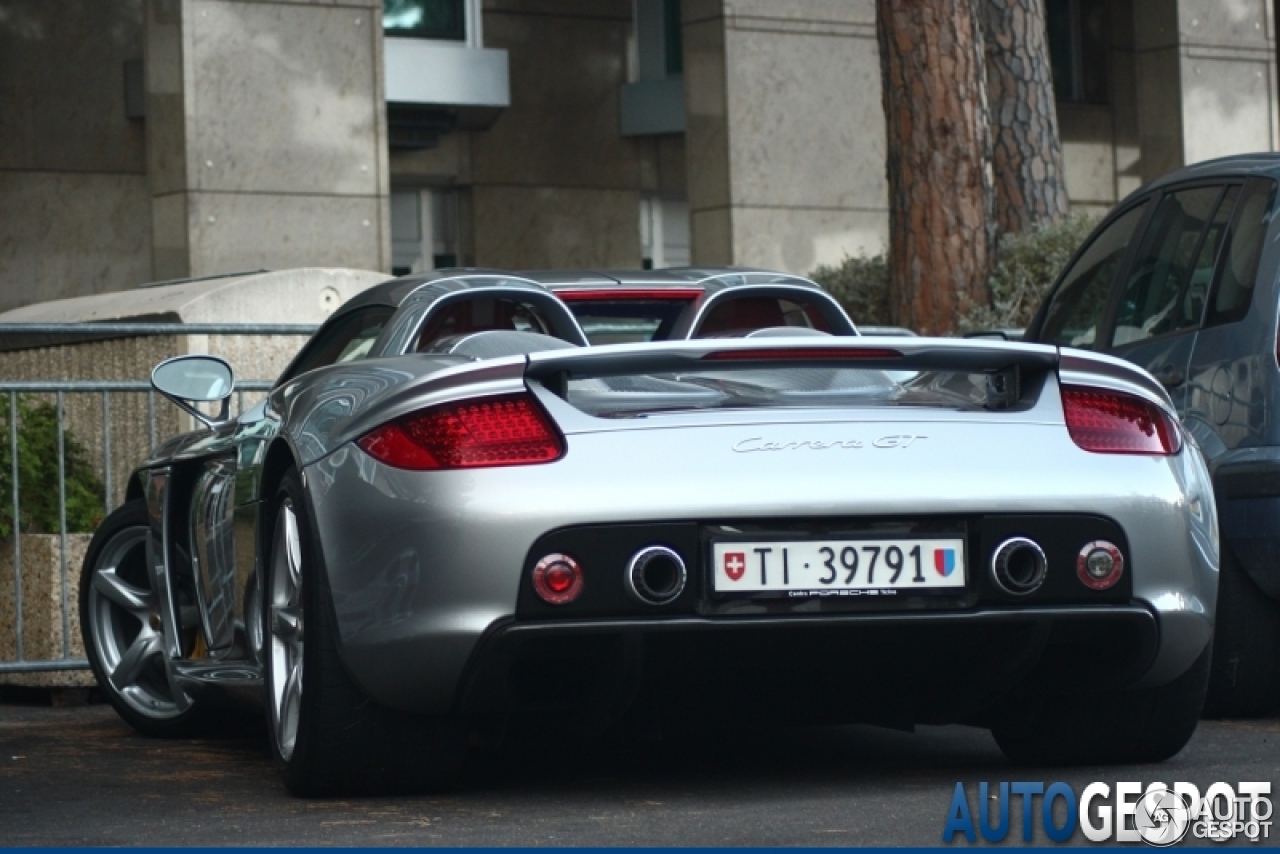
column 15, row 393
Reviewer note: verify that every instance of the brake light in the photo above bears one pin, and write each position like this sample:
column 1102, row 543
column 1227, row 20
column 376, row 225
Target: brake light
column 805, row 353
column 496, row 431
column 1110, row 422
column 608, row 294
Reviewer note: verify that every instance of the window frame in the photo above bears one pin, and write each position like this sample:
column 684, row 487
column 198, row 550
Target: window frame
column 1112, row 312
column 1107, row 317
column 1220, row 261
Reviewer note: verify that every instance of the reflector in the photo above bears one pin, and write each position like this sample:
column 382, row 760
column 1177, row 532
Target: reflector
column 1111, row 422
column 497, row 431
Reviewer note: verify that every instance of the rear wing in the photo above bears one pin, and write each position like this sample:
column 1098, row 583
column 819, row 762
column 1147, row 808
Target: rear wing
column 1005, row 365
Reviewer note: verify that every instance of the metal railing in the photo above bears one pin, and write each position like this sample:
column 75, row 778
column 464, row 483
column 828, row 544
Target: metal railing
column 59, row 393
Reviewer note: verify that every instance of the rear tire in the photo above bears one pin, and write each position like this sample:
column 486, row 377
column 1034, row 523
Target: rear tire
column 327, row 737
column 1107, row 728
column 1245, row 681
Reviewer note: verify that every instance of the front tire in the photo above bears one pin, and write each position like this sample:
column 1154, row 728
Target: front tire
column 1106, row 728
column 1245, row 681
column 120, row 622
column 327, row 736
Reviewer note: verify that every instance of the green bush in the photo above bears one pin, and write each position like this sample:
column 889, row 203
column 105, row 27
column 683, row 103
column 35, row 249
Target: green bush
column 38, row 473
column 1026, row 265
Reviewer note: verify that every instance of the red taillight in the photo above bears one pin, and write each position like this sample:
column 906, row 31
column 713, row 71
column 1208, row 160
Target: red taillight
column 608, row 294
column 1110, row 422
column 497, row 431
column 802, row 353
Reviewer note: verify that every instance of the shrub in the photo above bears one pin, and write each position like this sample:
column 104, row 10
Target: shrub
column 1026, row 265
column 38, row 473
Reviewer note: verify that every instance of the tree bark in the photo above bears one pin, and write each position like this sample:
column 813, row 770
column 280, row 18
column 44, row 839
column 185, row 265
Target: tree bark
column 1026, row 151
column 941, row 199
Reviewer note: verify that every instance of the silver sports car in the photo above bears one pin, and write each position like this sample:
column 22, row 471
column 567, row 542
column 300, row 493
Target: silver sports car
column 452, row 512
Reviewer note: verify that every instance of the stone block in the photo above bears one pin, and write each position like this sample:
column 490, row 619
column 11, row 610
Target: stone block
column 561, row 129
column 42, row 608
column 62, row 86
column 798, row 240
column 250, row 231
column 63, row 234
column 532, row 228
column 1088, row 153
column 281, row 98
column 1226, row 107
column 806, row 125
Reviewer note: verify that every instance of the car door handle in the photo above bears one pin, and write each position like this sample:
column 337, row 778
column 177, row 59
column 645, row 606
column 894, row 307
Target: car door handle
column 1170, row 377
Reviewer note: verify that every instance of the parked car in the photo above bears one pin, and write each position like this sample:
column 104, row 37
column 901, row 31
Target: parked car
column 1181, row 278
column 427, row 528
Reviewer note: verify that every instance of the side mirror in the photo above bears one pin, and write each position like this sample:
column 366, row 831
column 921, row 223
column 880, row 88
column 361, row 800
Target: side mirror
column 196, row 379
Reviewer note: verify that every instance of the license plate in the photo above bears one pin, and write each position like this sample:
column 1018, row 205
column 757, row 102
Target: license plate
column 838, row 567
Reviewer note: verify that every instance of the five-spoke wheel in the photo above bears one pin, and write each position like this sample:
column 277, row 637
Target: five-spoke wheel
column 121, row 621
column 285, row 626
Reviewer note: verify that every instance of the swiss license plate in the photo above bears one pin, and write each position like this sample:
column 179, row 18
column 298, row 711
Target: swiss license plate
column 892, row 566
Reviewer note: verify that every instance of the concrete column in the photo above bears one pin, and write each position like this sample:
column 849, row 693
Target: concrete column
column 1205, row 80
column 266, row 136
column 785, row 131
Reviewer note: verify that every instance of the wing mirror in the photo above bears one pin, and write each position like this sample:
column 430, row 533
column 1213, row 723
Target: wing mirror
column 196, row 379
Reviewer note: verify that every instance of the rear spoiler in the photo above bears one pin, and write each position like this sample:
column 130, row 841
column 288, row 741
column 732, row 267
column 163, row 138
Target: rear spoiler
column 1005, row 364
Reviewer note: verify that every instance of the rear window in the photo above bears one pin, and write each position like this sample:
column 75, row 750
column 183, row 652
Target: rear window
column 733, row 317
column 627, row 321
column 639, row 395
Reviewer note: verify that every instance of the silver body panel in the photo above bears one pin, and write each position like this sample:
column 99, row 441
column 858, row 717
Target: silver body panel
column 424, row 566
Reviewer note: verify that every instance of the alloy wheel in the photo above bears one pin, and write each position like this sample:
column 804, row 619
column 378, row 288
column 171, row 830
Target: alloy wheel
column 285, row 626
column 125, row 628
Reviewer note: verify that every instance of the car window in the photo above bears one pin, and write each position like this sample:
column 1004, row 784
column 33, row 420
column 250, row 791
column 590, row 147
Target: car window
column 343, row 339
column 1078, row 304
column 625, row 321
column 480, row 314
column 1152, row 299
column 1238, row 268
column 744, row 314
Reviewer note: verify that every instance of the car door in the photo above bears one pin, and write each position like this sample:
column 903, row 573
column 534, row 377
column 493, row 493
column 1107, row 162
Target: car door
column 1234, row 352
column 1160, row 298
column 223, row 505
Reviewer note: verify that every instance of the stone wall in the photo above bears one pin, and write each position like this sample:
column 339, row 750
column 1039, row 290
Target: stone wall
column 42, row 625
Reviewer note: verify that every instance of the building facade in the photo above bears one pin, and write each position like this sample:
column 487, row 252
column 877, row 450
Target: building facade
column 145, row 140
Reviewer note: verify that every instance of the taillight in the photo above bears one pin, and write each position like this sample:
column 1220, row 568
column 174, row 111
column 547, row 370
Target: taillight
column 802, row 354
column 1111, row 422
column 494, row 431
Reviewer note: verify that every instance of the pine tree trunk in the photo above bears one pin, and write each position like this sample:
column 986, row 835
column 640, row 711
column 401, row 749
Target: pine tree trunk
column 940, row 192
column 1026, row 151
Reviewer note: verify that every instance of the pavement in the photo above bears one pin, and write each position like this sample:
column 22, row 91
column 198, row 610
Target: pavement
column 80, row 776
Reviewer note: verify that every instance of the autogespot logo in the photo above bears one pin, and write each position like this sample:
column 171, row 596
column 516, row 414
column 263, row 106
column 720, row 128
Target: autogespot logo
column 1158, row 814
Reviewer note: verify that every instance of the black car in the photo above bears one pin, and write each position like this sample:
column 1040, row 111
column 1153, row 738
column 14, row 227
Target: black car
column 1181, row 278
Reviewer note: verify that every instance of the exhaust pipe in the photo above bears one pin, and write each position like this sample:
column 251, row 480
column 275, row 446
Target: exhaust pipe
column 1018, row 566
column 656, row 575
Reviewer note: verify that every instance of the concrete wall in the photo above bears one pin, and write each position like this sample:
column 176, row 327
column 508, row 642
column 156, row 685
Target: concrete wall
column 74, row 208
column 553, row 182
column 785, row 137
column 1205, row 80
column 266, row 135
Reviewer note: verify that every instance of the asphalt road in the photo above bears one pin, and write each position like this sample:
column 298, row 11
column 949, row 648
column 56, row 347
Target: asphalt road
column 79, row 776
